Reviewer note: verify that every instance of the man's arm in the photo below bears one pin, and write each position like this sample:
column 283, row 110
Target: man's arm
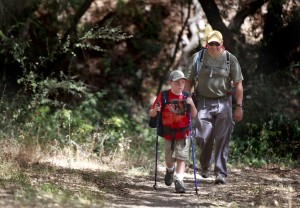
column 238, row 112
column 187, row 86
column 190, row 72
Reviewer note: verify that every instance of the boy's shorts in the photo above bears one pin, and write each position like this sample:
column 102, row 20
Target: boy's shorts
column 181, row 150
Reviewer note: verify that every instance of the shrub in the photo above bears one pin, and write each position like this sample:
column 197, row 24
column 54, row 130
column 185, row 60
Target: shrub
column 269, row 131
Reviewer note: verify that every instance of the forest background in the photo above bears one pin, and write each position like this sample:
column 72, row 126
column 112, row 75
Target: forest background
column 78, row 77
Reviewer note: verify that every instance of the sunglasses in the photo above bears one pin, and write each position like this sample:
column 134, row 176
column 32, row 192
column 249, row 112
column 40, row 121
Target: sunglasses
column 214, row 44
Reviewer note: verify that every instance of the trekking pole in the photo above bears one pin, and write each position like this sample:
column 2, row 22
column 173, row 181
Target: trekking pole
column 156, row 148
column 193, row 151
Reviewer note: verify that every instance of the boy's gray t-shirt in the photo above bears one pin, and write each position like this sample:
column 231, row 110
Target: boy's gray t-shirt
column 214, row 77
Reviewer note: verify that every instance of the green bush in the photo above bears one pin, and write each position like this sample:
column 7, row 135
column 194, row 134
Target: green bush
column 270, row 130
column 272, row 142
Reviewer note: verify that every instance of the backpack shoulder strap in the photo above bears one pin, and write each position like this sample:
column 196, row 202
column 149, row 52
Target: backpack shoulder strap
column 164, row 98
column 199, row 61
column 227, row 59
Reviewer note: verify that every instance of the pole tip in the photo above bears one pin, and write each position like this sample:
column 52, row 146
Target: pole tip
column 154, row 187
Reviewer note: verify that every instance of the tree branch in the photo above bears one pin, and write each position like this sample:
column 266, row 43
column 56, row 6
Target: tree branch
column 249, row 8
column 84, row 7
column 213, row 16
column 166, row 70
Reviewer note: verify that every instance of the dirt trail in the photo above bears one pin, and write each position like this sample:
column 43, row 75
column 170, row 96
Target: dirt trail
column 117, row 185
column 245, row 187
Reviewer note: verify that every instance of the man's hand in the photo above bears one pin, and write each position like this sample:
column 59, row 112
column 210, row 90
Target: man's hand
column 238, row 114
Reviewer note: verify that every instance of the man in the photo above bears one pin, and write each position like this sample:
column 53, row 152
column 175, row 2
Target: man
column 213, row 89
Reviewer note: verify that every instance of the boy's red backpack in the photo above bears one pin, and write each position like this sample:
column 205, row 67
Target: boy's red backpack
column 156, row 122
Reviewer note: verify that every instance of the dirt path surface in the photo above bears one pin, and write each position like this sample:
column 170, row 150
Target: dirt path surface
column 123, row 186
column 245, row 187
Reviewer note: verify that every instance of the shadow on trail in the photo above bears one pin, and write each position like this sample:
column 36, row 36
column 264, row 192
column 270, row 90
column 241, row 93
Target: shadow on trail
column 245, row 187
column 118, row 189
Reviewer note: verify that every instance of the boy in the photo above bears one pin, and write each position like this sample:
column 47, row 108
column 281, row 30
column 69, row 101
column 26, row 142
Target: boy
column 176, row 124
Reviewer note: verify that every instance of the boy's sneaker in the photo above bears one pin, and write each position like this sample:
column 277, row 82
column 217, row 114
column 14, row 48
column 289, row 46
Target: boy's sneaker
column 169, row 177
column 220, row 180
column 205, row 173
column 179, row 186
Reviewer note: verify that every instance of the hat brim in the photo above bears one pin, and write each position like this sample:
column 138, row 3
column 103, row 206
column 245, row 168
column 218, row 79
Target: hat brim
column 213, row 39
column 174, row 80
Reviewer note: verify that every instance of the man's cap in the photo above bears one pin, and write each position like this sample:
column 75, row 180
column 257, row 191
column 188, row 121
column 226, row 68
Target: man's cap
column 215, row 36
column 176, row 75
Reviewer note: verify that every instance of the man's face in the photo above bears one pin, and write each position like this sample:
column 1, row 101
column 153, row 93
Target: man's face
column 214, row 46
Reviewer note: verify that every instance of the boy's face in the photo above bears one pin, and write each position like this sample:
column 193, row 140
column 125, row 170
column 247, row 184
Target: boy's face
column 177, row 86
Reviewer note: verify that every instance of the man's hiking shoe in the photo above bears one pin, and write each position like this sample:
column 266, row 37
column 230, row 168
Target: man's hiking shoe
column 205, row 173
column 169, row 177
column 220, row 180
column 179, row 186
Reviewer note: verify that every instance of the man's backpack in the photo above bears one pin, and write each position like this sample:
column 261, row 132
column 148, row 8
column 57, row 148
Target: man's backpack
column 199, row 63
column 156, row 121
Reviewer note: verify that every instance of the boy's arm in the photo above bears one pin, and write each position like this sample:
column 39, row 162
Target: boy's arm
column 193, row 108
column 190, row 72
column 156, row 106
column 153, row 112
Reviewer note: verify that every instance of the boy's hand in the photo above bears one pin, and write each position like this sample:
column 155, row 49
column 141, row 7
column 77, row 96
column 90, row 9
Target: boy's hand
column 189, row 101
column 157, row 108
